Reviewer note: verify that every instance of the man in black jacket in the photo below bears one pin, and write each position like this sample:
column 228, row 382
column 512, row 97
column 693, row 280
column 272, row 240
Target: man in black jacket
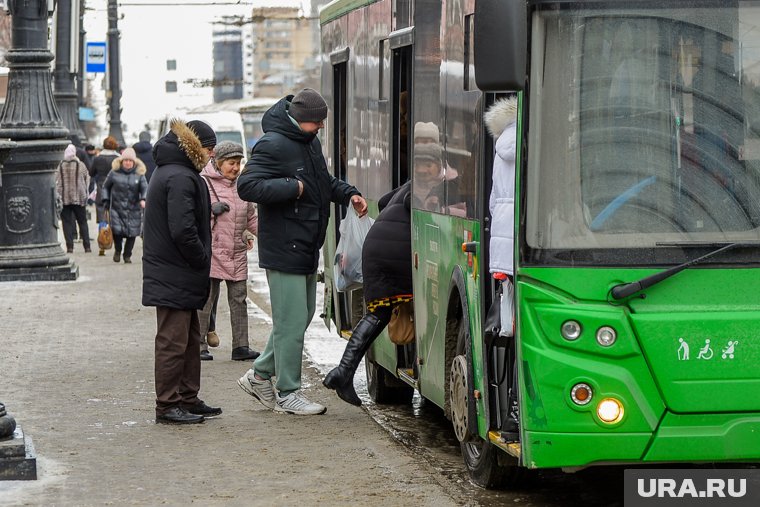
column 176, row 266
column 287, row 176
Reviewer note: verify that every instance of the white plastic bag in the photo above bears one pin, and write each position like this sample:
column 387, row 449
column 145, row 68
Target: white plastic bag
column 507, row 309
column 347, row 266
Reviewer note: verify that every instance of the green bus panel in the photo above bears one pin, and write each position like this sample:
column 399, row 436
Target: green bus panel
column 552, row 450
column 676, row 362
column 706, row 437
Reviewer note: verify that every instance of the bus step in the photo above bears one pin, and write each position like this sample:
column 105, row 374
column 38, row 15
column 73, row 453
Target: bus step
column 407, row 375
column 512, row 448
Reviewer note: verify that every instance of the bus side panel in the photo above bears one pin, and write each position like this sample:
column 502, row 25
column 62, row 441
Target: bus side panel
column 437, row 258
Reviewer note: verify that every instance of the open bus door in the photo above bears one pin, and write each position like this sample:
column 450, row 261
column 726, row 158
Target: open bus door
column 338, row 304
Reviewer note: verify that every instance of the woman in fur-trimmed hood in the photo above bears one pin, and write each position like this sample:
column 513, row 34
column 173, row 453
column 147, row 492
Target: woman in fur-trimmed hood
column 501, row 120
column 124, row 194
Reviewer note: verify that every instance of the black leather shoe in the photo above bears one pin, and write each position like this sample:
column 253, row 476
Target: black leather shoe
column 178, row 415
column 206, row 356
column 200, row 408
column 244, row 354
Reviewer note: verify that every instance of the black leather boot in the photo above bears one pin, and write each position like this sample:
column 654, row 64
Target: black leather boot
column 341, row 378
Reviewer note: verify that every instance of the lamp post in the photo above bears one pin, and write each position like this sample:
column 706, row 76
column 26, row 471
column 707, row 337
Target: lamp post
column 66, row 97
column 114, row 74
column 29, row 246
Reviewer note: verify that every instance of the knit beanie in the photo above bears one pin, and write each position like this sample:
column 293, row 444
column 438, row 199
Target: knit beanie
column 427, row 151
column 204, row 132
column 425, row 130
column 110, row 143
column 129, row 154
column 228, row 149
column 70, row 152
column 144, row 136
column 308, row 105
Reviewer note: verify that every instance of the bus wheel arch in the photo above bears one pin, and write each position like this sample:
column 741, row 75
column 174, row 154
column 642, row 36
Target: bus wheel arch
column 487, row 465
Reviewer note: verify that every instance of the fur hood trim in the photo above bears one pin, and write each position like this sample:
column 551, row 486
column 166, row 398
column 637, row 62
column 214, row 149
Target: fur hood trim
column 190, row 144
column 140, row 168
column 500, row 115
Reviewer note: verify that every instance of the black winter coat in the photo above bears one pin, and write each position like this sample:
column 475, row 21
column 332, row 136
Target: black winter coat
column 124, row 190
column 177, row 237
column 291, row 230
column 387, row 249
column 144, row 151
column 101, row 166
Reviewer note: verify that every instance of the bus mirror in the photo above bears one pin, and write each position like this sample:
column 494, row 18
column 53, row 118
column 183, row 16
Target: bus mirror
column 500, row 44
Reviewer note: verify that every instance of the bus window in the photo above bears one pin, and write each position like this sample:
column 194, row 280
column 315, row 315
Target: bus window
column 660, row 139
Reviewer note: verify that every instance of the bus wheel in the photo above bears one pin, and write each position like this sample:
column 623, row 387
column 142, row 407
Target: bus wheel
column 488, row 466
column 384, row 388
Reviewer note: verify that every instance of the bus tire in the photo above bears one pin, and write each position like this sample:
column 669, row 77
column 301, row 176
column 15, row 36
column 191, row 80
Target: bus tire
column 384, row 388
column 488, row 466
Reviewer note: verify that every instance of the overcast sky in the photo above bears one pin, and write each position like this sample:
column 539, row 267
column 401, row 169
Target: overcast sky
column 152, row 33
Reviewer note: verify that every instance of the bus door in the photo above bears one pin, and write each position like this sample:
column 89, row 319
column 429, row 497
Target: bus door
column 339, row 60
column 400, row 142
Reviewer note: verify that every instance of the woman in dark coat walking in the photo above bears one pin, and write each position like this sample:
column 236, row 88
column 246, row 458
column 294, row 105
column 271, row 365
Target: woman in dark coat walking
column 387, row 274
column 124, row 194
column 99, row 171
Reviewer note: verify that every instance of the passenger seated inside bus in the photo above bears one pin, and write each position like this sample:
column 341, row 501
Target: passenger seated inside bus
column 387, row 274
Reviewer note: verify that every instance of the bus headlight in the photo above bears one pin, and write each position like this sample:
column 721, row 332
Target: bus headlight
column 571, row 330
column 606, row 336
column 610, row 410
column 581, row 394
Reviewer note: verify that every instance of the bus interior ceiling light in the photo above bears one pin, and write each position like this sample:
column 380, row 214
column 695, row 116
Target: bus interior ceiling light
column 610, row 410
column 571, row 330
column 581, row 394
column 606, row 336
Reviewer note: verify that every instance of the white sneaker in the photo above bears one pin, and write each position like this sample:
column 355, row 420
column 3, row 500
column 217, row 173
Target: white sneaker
column 262, row 390
column 296, row 403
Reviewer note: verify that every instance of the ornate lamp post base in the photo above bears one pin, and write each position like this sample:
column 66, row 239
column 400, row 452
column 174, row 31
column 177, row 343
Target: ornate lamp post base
column 29, row 247
column 18, row 460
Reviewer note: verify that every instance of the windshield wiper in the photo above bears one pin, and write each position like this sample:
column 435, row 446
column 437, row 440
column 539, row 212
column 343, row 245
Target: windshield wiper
column 628, row 289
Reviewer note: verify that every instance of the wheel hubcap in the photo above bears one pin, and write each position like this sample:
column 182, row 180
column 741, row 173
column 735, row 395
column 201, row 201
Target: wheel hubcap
column 459, row 398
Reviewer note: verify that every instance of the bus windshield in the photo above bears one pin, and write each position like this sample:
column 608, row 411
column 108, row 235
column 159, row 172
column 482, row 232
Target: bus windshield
column 644, row 128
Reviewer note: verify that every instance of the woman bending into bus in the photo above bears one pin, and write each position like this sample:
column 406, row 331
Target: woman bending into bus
column 387, row 273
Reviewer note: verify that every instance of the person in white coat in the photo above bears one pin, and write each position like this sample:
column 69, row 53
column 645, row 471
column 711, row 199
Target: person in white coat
column 501, row 121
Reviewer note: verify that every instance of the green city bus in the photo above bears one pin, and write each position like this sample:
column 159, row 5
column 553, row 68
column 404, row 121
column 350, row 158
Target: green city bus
column 637, row 215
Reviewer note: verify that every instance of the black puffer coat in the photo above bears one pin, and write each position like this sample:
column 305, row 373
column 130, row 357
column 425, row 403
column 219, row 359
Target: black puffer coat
column 291, row 230
column 177, row 248
column 387, row 250
column 124, row 190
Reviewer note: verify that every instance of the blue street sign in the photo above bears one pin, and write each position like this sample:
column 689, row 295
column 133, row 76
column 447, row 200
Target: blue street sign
column 96, row 57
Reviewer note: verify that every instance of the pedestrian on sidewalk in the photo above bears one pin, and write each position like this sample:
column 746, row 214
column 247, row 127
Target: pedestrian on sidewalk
column 71, row 183
column 176, row 267
column 231, row 218
column 144, row 150
column 99, row 170
column 387, row 276
column 124, row 193
column 287, row 177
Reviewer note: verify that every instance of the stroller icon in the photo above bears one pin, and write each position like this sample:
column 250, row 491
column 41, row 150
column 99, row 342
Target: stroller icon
column 728, row 351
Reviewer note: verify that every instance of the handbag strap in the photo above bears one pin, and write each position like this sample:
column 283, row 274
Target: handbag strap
column 211, row 187
column 216, row 196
